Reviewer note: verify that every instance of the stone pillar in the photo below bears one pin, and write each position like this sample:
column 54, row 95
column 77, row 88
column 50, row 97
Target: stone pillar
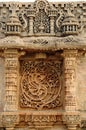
column 52, row 25
column 31, row 25
column 71, row 115
column 11, row 79
column 70, row 80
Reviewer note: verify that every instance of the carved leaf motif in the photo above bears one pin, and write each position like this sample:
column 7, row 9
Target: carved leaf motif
column 41, row 21
column 40, row 84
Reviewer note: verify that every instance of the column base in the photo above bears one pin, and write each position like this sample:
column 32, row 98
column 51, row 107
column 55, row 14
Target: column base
column 72, row 127
column 10, row 128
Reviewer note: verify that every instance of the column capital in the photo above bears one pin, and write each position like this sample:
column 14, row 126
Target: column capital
column 13, row 53
column 70, row 53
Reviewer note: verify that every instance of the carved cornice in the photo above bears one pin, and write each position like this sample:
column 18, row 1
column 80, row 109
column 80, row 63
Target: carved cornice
column 43, row 43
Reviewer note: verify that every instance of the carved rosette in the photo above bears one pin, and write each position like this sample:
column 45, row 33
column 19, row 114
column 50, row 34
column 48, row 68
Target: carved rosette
column 40, row 84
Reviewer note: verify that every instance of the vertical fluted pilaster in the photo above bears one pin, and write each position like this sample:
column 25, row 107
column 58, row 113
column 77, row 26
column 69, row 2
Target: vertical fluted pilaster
column 11, row 79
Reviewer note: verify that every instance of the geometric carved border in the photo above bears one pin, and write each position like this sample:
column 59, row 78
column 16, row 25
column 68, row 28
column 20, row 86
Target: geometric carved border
column 40, row 85
column 22, row 120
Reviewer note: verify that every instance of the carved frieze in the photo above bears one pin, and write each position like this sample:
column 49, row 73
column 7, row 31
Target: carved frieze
column 24, row 119
column 40, row 84
column 43, row 120
column 42, row 17
column 39, row 121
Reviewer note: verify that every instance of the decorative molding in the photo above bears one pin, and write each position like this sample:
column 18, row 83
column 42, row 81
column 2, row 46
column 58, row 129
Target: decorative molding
column 43, row 120
column 40, row 41
column 43, row 43
column 35, row 120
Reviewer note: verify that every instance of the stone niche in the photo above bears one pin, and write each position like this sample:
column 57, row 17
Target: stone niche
column 41, row 82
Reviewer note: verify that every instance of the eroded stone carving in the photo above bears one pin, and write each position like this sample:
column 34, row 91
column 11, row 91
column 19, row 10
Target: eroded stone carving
column 39, row 121
column 40, row 84
column 72, row 120
column 42, row 17
column 70, row 80
column 9, row 120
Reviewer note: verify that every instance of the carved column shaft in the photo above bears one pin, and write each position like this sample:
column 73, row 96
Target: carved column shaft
column 70, row 80
column 11, row 79
column 72, row 127
column 52, row 24
column 31, row 25
column 71, row 116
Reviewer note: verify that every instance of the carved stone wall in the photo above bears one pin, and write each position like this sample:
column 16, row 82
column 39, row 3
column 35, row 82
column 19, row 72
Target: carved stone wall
column 42, row 17
column 43, row 65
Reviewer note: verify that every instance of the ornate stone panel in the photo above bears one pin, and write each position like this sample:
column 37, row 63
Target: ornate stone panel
column 42, row 17
column 40, row 85
column 40, row 43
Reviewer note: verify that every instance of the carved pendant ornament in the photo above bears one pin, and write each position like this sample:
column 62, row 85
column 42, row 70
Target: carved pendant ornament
column 40, row 84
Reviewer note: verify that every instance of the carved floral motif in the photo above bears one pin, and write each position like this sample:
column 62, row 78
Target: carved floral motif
column 40, row 41
column 40, row 120
column 41, row 21
column 40, row 84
